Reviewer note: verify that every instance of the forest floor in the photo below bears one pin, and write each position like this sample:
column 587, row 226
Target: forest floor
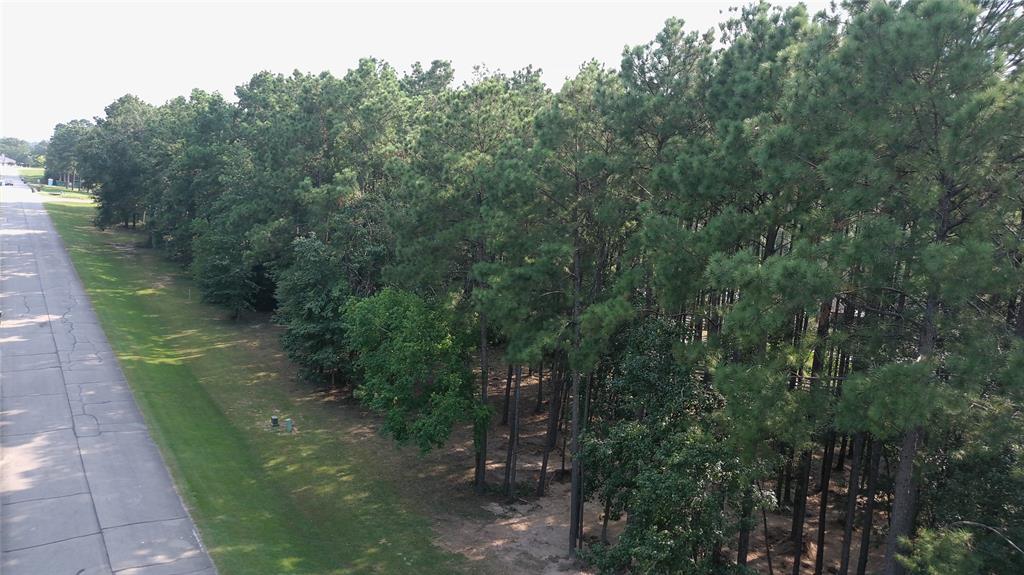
column 335, row 496
column 530, row 535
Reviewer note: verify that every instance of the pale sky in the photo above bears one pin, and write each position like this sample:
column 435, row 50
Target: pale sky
column 65, row 60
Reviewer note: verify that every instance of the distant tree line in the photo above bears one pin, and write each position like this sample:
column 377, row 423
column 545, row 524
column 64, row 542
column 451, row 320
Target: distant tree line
column 32, row 154
column 748, row 264
column 62, row 162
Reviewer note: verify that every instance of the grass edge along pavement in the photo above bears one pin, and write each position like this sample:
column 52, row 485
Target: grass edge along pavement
column 265, row 502
column 34, row 177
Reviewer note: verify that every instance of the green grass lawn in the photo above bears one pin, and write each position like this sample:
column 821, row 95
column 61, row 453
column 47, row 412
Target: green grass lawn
column 65, row 192
column 31, row 175
column 314, row 501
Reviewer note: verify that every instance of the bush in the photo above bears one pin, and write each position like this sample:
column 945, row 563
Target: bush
column 413, row 369
column 312, row 294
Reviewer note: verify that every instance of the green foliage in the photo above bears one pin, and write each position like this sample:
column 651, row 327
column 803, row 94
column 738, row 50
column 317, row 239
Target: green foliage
column 312, row 295
column 676, row 517
column 220, row 269
column 264, row 502
column 420, row 82
column 977, row 465
column 446, row 192
column 64, row 154
column 413, row 370
column 652, row 454
column 888, row 400
column 22, row 152
column 735, row 247
column 943, row 552
column 187, row 155
column 113, row 161
column 759, row 405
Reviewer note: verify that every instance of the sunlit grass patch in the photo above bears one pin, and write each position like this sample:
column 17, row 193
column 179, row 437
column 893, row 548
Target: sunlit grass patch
column 265, row 502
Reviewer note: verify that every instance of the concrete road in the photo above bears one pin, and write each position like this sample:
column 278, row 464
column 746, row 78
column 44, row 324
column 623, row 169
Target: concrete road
column 83, row 488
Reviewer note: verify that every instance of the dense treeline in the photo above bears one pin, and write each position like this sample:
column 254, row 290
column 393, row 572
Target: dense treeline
column 62, row 160
column 752, row 265
column 22, row 152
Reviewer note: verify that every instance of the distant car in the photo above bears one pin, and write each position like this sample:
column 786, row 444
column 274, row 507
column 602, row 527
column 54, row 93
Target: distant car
column 8, row 183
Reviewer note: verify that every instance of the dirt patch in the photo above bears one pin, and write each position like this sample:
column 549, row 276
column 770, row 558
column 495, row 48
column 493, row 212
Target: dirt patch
column 782, row 547
column 499, row 537
column 522, row 537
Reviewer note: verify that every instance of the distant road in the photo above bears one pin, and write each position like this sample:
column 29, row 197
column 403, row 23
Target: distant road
column 83, row 489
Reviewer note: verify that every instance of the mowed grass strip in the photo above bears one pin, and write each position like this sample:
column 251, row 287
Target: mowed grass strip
column 309, row 502
column 31, row 175
column 65, row 193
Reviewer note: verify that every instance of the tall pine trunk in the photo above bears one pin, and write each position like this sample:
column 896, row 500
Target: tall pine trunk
column 576, row 486
column 781, row 475
column 565, row 431
column 539, row 407
column 508, row 391
column 743, row 545
column 904, row 491
column 853, row 486
column 787, row 495
column 480, row 427
column 800, row 509
column 576, row 498
column 513, row 438
column 869, row 509
column 817, row 368
column 843, row 451
column 604, row 521
column 767, row 542
column 826, row 476
column 904, row 502
column 554, row 418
